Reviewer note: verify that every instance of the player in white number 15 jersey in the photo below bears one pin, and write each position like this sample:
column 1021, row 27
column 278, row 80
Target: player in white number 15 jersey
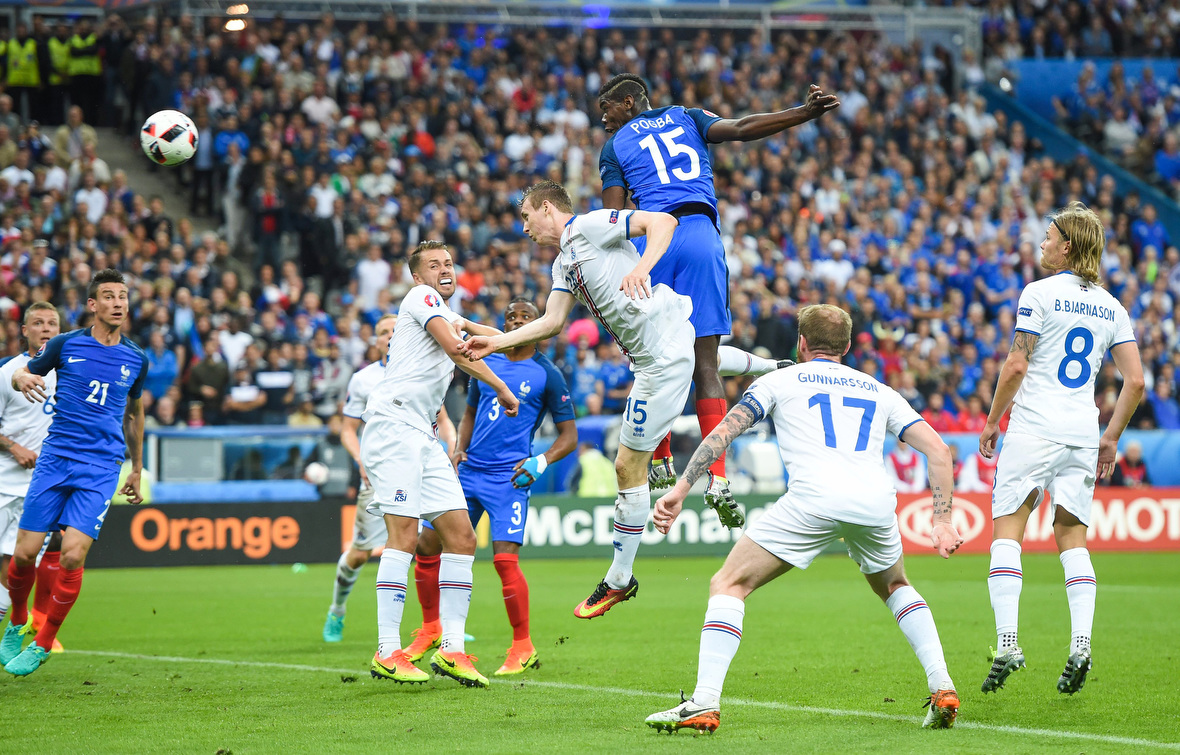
column 1064, row 326
column 830, row 421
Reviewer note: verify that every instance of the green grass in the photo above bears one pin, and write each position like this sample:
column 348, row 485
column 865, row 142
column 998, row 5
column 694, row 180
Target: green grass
column 816, row 639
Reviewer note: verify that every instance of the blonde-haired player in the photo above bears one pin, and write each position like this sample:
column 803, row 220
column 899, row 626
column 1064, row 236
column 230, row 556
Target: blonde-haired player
column 1064, row 325
column 368, row 529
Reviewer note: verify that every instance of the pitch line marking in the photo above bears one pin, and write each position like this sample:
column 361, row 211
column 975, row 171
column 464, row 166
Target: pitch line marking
column 1051, row 733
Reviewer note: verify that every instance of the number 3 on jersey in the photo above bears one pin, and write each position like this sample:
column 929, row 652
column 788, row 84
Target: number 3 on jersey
column 669, row 139
column 1082, row 358
column 868, row 410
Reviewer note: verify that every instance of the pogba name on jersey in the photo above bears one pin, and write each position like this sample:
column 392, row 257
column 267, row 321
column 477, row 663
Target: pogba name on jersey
column 1082, row 308
column 647, row 124
column 841, row 381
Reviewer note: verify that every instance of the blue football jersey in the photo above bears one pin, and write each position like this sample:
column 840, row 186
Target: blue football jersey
column 662, row 158
column 93, row 384
column 499, row 441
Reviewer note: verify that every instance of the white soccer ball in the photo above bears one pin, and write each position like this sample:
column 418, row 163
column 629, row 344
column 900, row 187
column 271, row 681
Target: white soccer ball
column 169, row 137
column 316, row 473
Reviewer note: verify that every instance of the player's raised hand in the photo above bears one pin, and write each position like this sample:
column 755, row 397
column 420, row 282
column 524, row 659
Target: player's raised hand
column 988, row 439
column 1108, row 451
column 818, row 103
column 635, row 285
column 131, row 488
column 32, row 386
column 508, row 401
column 668, row 507
column 477, row 347
column 945, row 539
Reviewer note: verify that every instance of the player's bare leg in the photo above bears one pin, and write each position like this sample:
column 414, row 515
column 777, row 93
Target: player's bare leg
column 711, row 408
column 1004, row 580
column 632, row 508
column 523, row 654
column 74, row 547
column 1081, row 589
column 748, row 567
column 390, row 662
column 916, row 622
column 454, row 583
column 426, row 564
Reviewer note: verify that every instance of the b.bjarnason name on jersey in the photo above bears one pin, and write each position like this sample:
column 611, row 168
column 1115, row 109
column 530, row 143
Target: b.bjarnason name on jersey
column 1082, row 308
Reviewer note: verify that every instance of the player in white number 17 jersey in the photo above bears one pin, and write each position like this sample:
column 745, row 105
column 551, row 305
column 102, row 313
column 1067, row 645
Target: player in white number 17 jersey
column 1064, row 326
column 830, row 421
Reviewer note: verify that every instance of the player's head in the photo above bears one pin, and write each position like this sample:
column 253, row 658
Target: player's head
column 545, row 208
column 107, row 298
column 825, row 330
column 1074, row 241
column 431, row 264
column 41, row 323
column 520, row 311
column 621, row 99
column 384, row 331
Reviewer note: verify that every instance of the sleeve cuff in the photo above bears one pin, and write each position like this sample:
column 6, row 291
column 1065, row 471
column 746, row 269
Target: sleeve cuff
column 1120, row 343
column 1030, row 332
column 559, row 288
column 907, row 427
column 352, row 416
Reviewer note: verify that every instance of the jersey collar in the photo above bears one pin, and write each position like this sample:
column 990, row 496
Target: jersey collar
column 824, row 359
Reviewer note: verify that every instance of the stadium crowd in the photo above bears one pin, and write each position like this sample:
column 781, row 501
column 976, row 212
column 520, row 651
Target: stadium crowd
column 327, row 152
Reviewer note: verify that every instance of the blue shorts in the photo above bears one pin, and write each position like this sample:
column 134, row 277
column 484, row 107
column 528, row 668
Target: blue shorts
column 68, row 493
column 507, row 507
column 694, row 266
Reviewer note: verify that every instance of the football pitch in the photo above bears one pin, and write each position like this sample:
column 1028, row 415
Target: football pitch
column 229, row 659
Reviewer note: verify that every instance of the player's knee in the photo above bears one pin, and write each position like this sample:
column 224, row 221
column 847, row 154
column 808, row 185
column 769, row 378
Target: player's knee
column 723, row 583
column 356, row 558
column 461, row 541
column 73, row 558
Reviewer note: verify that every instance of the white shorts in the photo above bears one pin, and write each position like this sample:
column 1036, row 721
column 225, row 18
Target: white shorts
column 368, row 529
column 11, row 507
column 1028, row 463
column 409, row 471
column 797, row 537
column 658, row 394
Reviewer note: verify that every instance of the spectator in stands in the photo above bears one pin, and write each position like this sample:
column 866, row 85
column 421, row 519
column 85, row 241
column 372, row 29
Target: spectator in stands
column 164, row 415
column 244, row 401
column 614, row 377
column 1167, row 164
column 208, row 380
column 304, row 414
column 1131, row 470
column 162, row 365
column 907, row 468
column 1149, row 231
column 72, row 136
column 1164, row 408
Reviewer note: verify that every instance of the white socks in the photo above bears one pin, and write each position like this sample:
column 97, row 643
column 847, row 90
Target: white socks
column 917, row 624
column 1004, row 581
column 1081, row 588
column 454, row 599
column 5, row 603
column 720, row 637
column 345, row 579
column 732, row 361
column 631, row 510
column 391, row 599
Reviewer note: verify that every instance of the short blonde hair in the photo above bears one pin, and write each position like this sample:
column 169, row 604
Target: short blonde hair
column 827, row 328
column 1082, row 228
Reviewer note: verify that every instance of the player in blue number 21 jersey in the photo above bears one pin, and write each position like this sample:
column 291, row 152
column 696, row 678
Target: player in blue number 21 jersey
column 661, row 157
column 496, row 467
column 98, row 421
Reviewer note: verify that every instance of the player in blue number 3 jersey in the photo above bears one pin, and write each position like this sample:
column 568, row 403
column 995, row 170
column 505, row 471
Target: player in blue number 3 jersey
column 661, row 156
column 98, row 421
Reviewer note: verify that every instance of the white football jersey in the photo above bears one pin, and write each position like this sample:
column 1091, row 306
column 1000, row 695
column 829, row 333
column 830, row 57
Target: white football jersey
column 360, row 387
column 596, row 254
column 830, row 421
column 24, row 422
column 417, row 369
column 1076, row 323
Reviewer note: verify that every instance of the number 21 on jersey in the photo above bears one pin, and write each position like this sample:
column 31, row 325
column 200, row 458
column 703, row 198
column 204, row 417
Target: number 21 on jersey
column 674, row 148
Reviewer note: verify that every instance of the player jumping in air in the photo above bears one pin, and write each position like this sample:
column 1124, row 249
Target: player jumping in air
column 830, row 421
column 598, row 266
column 368, row 529
column 1064, row 325
column 661, row 158
column 22, row 431
column 496, row 467
column 412, row 477
column 98, row 420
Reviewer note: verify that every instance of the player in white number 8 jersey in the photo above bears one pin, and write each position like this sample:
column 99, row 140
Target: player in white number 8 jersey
column 830, row 421
column 1064, row 326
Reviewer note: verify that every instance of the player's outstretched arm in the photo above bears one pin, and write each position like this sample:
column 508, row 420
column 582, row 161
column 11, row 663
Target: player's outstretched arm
column 557, row 309
column 943, row 536
column 1011, row 376
column 133, row 434
column 1126, row 359
column 658, row 227
column 712, row 448
column 762, row 125
column 473, row 328
column 441, row 330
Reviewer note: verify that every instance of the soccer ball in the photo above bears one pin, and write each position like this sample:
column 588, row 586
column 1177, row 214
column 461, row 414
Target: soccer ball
column 316, row 473
column 169, row 137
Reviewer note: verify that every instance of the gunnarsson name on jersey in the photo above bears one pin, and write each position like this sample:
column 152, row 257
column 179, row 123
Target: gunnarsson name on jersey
column 841, row 381
column 1082, row 308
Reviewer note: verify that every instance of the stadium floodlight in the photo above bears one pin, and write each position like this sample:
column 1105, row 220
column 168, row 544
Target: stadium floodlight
column 239, row 9
column 235, row 24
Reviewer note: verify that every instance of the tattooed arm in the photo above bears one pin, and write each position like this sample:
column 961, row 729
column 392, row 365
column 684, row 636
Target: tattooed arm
column 1011, row 376
column 712, row 448
column 943, row 535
